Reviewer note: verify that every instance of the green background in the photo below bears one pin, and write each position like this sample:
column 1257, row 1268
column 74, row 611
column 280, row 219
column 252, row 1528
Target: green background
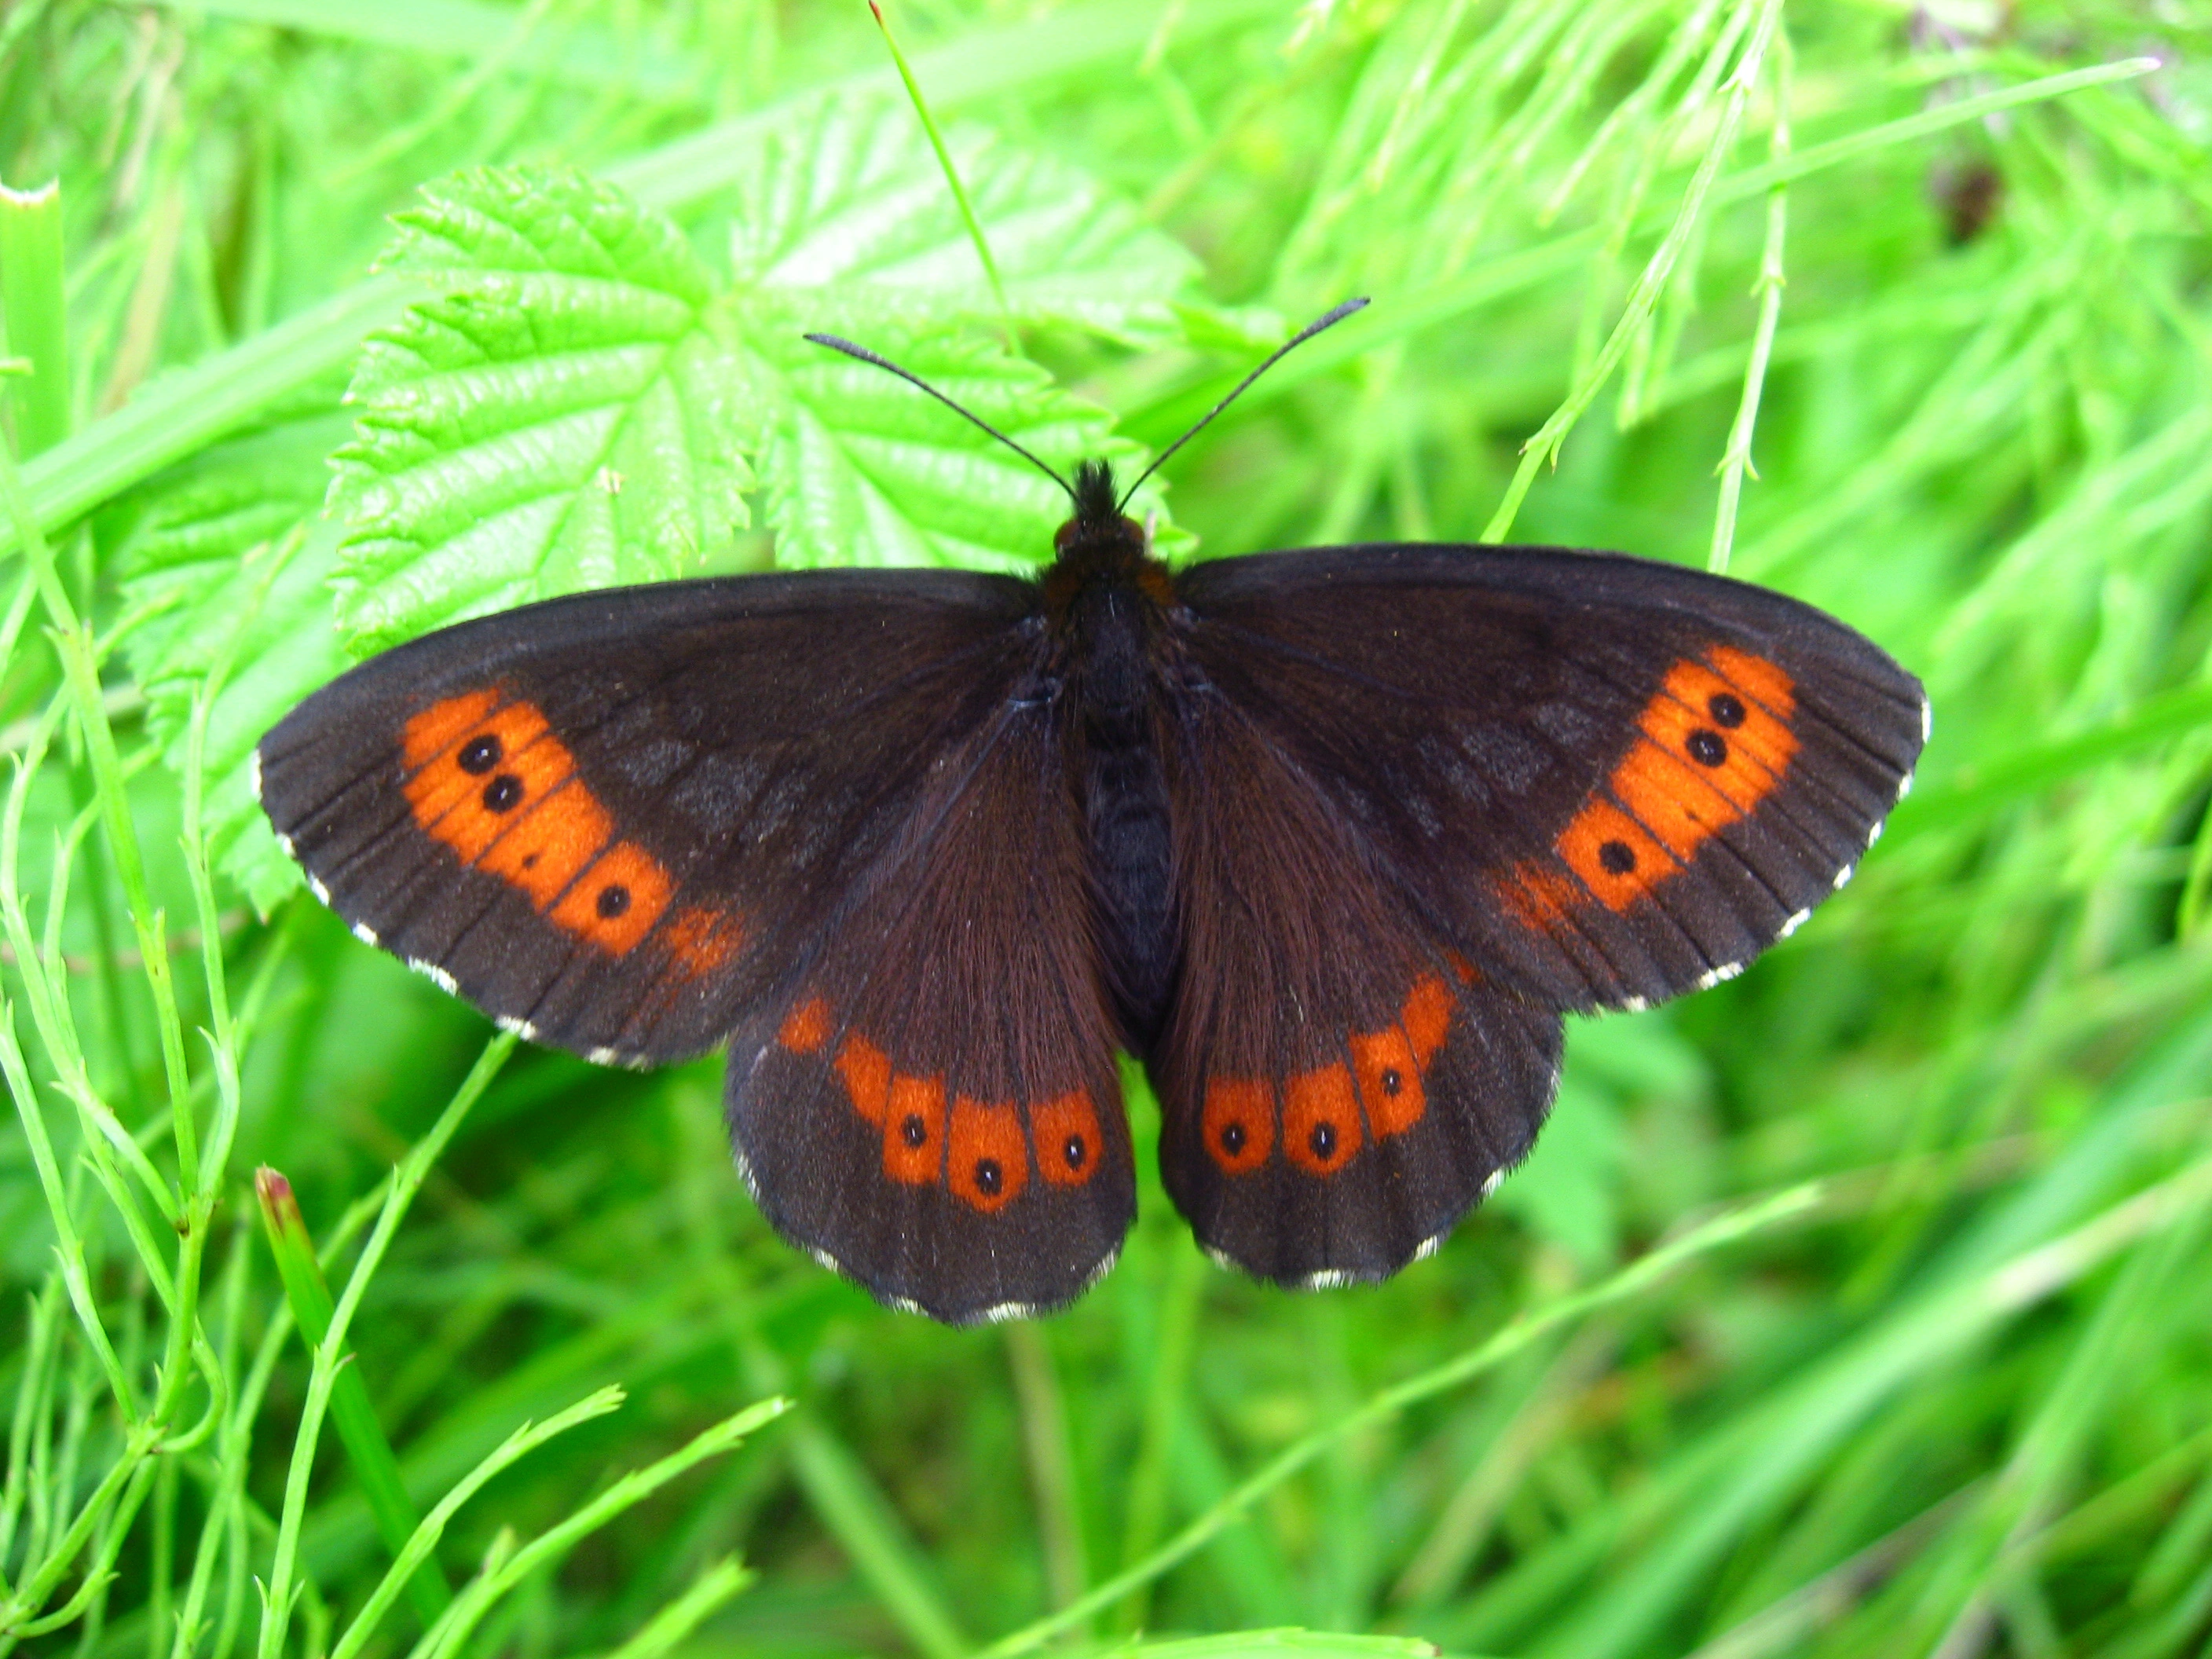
column 1858, row 1306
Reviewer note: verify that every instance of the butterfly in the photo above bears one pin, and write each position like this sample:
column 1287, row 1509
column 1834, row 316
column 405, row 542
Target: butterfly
column 1329, row 840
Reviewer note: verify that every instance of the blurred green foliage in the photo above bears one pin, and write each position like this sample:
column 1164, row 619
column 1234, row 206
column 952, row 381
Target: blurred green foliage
column 1940, row 274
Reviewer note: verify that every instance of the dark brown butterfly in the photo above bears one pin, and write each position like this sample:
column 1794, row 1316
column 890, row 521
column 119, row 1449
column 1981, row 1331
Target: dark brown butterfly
column 1329, row 840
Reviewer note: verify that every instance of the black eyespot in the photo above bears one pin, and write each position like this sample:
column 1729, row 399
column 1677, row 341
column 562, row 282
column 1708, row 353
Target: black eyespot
column 989, row 1177
column 1706, row 747
column 1232, row 1138
column 614, row 899
column 503, row 793
column 912, row 1130
column 1726, row 710
column 1074, row 1152
column 1323, row 1141
column 1617, row 856
column 1391, row 1081
column 479, row 755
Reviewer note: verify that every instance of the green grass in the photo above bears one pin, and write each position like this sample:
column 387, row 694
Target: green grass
column 1860, row 1306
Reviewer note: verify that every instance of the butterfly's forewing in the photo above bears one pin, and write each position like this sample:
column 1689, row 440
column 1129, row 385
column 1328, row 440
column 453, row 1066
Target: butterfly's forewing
column 1615, row 778
column 727, row 754
column 1463, row 789
column 632, row 823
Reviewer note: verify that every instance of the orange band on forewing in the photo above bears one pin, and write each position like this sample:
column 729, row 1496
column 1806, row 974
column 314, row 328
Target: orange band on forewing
column 1238, row 1122
column 1064, row 1133
column 490, row 781
column 913, row 1129
column 548, row 849
column 1320, row 1120
column 442, row 726
column 1711, row 744
column 986, row 1155
column 702, row 940
column 468, row 810
column 1616, row 860
column 615, row 902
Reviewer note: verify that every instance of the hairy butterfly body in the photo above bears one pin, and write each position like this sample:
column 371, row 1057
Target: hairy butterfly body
column 1329, row 840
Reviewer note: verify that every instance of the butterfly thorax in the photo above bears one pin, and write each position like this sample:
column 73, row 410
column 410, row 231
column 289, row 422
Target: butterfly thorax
column 1108, row 603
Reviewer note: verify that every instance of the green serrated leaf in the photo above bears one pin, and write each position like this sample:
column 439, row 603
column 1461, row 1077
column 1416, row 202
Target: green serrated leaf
column 864, row 470
column 849, row 209
column 564, row 417
column 230, row 565
column 266, row 614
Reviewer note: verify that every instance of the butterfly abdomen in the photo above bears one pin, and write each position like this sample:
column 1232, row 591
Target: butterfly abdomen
column 1112, row 630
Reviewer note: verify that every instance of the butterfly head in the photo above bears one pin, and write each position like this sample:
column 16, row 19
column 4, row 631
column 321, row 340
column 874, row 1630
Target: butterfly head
column 1100, row 534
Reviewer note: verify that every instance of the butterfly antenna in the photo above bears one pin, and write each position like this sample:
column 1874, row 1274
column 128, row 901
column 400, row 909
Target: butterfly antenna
column 834, row 343
column 1328, row 319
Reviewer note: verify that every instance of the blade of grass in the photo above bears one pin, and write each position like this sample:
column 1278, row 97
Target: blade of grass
column 406, row 1181
column 1526, row 1328
column 951, row 174
column 374, row 1465
column 415, row 1553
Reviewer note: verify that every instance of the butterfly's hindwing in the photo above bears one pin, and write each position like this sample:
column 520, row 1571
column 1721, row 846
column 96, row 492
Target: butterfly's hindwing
column 1338, row 1086
column 935, row 1109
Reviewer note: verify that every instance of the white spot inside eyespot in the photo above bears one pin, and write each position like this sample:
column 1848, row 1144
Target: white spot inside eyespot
column 364, row 933
column 521, row 1028
column 1497, row 1180
column 1793, row 924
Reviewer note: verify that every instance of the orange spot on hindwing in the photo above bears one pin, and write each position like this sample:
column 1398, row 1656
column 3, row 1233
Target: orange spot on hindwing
column 1064, row 1133
column 866, row 1070
column 487, row 777
column 1239, row 1123
column 1387, row 1083
column 913, row 1129
column 806, row 1027
column 980, row 1150
column 1712, row 743
column 987, row 1157
column 1320, row 1121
